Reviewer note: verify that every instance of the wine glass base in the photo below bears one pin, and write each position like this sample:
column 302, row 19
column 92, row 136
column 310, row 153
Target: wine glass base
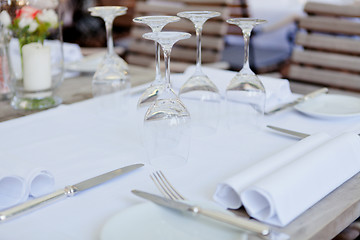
column 24, row 103
column 167, row 142
column 105, row 87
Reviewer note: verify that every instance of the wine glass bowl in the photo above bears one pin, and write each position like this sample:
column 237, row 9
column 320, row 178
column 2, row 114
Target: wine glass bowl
column 245, row 94
column 156, row 23
column 112, row 73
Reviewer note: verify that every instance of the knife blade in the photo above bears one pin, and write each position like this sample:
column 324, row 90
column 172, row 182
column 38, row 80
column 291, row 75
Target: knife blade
column 244, row 224
column 299, row 100
column 68, row 191
column 290, row 132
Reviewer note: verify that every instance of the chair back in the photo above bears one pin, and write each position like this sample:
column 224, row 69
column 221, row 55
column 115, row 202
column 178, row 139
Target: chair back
column 141, row 51
column 327, row 50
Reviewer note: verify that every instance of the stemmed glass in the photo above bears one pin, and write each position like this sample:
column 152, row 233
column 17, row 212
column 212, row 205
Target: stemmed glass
column 245, row 94
column 112, row 73
column 156, row 23
column 199, row 93
column 166, row 122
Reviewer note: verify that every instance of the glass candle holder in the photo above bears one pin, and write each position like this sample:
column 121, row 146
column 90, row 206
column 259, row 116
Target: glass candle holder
column 35, row 54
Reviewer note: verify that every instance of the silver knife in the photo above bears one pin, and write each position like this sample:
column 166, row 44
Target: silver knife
column 247, row 225
column 290, row 132
column 68, row 191
column 299, row 100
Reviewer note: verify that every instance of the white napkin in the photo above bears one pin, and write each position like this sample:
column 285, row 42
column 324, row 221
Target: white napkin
column 277, row 90
column 296, row 183
column 17, row 185
column 228, row 192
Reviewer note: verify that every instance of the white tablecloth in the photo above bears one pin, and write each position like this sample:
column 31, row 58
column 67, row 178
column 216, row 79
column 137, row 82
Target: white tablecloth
column 79, row 141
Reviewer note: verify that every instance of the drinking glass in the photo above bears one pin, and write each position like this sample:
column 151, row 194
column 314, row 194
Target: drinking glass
column 112, row 74
column 156, row 23
column 166, row 122
column 245, row 94
column 199, row 93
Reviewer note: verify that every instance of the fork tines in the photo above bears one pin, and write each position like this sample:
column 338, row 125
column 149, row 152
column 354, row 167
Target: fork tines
column 165, row 186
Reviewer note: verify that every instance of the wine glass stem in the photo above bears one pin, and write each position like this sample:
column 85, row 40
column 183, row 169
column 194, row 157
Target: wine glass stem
column 110, row 43
column 246, row 34
column 198, row 49
column 157, row 62
column 167, row 52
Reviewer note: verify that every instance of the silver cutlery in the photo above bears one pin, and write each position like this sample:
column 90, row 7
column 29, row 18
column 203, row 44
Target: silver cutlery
column 173, row 199
column 289, row 132
column 165, row 186
column 298, row 100
column 68, row 191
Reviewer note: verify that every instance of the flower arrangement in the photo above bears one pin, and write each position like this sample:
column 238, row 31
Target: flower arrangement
column 30, row 24
column 33, row 80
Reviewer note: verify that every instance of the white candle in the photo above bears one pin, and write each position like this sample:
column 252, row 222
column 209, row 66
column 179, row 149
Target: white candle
column 36, row 66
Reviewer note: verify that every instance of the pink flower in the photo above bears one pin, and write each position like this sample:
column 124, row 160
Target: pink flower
column 27, row 12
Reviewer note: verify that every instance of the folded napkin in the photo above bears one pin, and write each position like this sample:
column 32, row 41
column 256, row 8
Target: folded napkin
column 278, row 189
column 277, row 90
column 18, row 185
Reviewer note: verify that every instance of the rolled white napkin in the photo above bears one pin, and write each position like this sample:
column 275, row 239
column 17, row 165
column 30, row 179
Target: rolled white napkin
column 277, row 90
column 286, row 192
column 19, row 184
column 228, row 192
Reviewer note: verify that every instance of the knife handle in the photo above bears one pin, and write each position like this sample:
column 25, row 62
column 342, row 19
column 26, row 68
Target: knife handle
column 34, row 204
column 242, row 223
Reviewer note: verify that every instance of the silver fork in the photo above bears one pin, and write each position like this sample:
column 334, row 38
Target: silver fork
column 259, row 229
column 165, row 186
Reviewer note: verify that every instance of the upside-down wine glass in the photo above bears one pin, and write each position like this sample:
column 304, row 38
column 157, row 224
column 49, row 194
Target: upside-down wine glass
column 156, row 23
column 199, row 93
column 245, row 94
column 166, row 122
column 112, row 74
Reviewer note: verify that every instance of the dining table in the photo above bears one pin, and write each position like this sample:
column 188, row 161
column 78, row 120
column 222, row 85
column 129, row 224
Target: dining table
column 79, row 139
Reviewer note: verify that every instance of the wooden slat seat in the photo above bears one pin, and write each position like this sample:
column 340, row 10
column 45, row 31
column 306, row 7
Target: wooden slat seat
column 316, row 8
column 327, row 48
column 328, row 43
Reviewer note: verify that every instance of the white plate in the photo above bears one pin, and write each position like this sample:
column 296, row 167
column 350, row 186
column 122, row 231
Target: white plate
column 152, row 222
column 331, row 106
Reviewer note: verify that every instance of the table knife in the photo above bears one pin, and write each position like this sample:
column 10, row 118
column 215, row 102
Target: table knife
column 289, row 132
column 299, row 100
column 68, row 191
column 247, row 225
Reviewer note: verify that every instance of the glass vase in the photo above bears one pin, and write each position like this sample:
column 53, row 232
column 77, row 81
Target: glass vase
column 35, row 54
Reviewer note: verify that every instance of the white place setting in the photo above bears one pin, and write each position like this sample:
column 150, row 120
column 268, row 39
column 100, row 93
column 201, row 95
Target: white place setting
column 138, row 153
column 75, row 142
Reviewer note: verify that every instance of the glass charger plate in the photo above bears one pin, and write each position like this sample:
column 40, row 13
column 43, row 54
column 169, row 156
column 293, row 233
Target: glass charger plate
column 151, row 222
column 331, row 106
